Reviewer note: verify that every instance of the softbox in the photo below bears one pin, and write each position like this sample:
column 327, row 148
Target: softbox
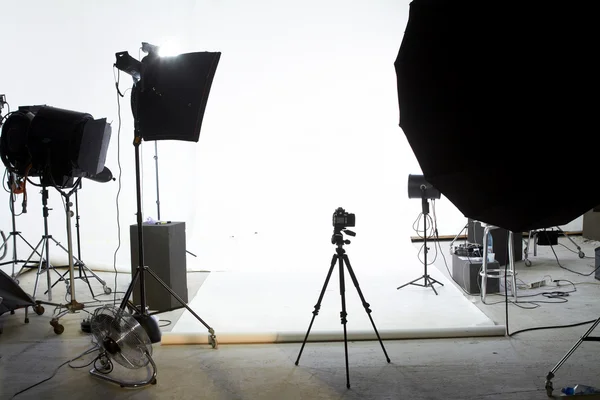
column 168, row 102
column 494, row 101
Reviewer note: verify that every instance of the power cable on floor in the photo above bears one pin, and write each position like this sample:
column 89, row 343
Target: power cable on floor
column 88, row 351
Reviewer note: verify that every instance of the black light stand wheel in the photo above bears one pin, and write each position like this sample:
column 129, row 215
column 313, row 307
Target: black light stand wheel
column 58, row 328
column 107, row 290
column 38, row 309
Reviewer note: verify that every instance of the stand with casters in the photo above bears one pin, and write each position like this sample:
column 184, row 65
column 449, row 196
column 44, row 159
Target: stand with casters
column 72, row 306
column 342, row 259
column 428, row 281
column 82, row 269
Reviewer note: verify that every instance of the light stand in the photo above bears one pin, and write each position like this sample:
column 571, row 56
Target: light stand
column 72, row 306
column 141, row 314
column 44, row 253
column 14, row 234
column 82, row 269
column 168, row 101
column 56, row 145
column 426, row 191
column 341, row 258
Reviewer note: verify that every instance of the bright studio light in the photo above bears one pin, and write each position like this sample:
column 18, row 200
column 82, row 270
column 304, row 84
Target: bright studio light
column 169, row 48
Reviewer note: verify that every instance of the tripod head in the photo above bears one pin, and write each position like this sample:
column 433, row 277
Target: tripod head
column 338, row 238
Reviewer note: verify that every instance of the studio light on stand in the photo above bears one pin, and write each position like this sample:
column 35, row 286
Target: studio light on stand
column 60, row 147
column 168, row 100
column 419, row 188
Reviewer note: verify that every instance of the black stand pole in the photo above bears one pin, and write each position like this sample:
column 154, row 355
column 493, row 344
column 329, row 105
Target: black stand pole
column 142, row 315
column 342, row 258
column 428, row 281
column 158, row 189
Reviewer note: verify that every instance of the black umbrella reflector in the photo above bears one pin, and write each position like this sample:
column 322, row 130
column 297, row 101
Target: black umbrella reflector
column 494, row 102
column 419, row 188
column 55, row 144
column 169, row 100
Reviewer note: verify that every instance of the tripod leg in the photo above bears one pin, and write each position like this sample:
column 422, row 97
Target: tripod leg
column 343, row 315
column 318, row 305
column 365, row 304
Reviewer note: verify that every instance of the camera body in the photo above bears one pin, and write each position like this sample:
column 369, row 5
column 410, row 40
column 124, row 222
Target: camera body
column 343, row 219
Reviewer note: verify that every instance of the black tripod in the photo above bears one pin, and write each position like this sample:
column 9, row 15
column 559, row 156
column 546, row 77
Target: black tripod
column 141, row 314
column 428, row 281
column 341, row 257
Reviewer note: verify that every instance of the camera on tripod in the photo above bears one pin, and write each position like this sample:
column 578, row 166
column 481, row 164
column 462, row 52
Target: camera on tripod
column 342, row 219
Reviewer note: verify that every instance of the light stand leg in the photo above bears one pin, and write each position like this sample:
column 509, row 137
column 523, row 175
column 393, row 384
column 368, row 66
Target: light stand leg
column 586, row 337
column 579, row 251
column 318, row 305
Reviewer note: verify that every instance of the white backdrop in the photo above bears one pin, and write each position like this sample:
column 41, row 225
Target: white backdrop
column 302, row 118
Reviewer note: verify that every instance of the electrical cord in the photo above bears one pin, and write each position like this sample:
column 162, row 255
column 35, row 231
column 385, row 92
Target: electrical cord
column 88, row 351
column 551, row 327
column 167, row 323
column 119, row 95
column 426, row 235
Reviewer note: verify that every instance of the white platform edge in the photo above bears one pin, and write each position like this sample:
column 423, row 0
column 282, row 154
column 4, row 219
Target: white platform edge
column 177, row 338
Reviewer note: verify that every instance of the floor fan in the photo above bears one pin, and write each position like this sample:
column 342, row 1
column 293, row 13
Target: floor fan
column 123, row 340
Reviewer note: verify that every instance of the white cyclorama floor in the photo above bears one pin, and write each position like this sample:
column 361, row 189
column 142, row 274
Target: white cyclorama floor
column 265, row 303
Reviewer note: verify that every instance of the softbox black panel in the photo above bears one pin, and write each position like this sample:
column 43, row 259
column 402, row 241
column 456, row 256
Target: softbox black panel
column 168, row 102
column 66, row 143
column 13, row 296
column 488, row 91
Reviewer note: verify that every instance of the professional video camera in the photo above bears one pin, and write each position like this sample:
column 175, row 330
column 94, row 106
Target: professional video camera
column 342, row 219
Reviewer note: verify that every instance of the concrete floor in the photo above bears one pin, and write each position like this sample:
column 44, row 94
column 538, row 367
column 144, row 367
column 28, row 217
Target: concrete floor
column 469, row 368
